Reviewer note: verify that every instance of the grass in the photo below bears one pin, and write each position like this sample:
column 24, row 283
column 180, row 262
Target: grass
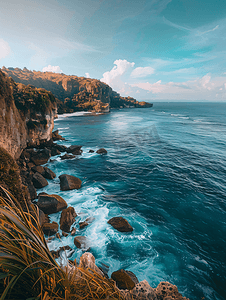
column 27, row 268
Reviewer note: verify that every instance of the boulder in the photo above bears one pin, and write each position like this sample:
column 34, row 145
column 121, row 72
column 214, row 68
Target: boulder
column 83, row 224
column 55, row 151
column 91, row 151
column 120, row 224
column 81, row 242
column 67, row 218
column 39, row 181
column 60, row 148
column 41, row 216
column 41, row 157
column 67, row 156
column 73, row 231
column 31, row 189
column 124, row 279
column 101, row 151
column 38, row 169
column 168, row 291
column 50, row 228
column 74, row 149
column 141, row 291
column 57, row 253
column 87, row 261
column 49, row 174
column 56, row 136
column 50, row 204
column 69, row 182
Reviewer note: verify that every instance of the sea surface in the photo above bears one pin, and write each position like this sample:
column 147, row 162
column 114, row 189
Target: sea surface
column 165, row 172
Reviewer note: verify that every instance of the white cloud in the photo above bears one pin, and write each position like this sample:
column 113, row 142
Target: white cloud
column 87, row 75
column 142, row 72
column 4, row 49
column 113, row 77
column 54, row 69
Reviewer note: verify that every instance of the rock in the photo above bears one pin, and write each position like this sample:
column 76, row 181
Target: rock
column 81, row 242
column 83, row 224
column 31, row 189
column 55, row 151
column 57, row 253
column 120, row 224
column 58, row 235
column 49, row 174
column 41, row 157
column 168, row 291
column 69, row 182
column 73, row 231
column 102, row 151
column 124, row 279
column 141, row 291
column 64, row 234
column 39, row 181
column 74, row 149
column 91, row 151
column 41, row 216
column 67, row 156
column 30, row 165
column 60, row 148
column 56, row 136
column 38, row 169
column 87, row 261
column 67, row 218
column 50, row 204
column 50, row 228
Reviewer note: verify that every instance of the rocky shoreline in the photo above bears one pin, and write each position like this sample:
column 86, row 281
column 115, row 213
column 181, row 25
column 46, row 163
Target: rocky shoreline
column 35, row 176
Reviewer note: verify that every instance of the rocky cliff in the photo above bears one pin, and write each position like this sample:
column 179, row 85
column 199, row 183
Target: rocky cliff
column 26, row 115
column 75, row 93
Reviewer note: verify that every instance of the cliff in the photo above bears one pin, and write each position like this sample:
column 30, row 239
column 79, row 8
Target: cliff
column 26, row 115
column 75, row 93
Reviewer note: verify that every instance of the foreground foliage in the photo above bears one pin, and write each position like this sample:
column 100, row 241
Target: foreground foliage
column 27, row 268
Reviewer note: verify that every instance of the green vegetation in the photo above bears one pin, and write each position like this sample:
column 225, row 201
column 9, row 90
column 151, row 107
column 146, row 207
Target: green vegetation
column 29, row 271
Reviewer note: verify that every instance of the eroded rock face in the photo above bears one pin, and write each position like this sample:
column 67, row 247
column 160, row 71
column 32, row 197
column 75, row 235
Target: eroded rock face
column 50, row 204
column 142, row 291
column 120, row 224
column 67, row 218
column 124, row 279
column 69, row 182
column 41, row 157
column 56, row 136
column 168, row 291
column 39, row 181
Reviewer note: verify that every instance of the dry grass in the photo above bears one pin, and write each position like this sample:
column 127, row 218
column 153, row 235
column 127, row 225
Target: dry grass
column 27, row 268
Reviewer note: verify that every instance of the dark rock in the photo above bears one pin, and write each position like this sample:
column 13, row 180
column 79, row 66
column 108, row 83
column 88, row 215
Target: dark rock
column 69, row 182
column 102, row 151
column 81, row 242
column 56, row 136
column 73, row 231
column 50, row 228
column 49, row 174
column 61, row 148
column 38, row 169
column 39, row 181
column 30, row 165
column 67, row 156
column 45, row 144
column 42, row 217
column 124, row 279
column 74, row 149
column 55, row 151
column 91, row 151
column 120, row 224
column 64, row 234
column 57, row 253
column 67, row 218
column 41, row 157
column 31, row 189
column 51, row 203
column 83, row 224
column 166, row 290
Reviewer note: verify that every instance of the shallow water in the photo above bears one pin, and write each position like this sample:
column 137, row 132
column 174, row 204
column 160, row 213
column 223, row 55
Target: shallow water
column 165, row 172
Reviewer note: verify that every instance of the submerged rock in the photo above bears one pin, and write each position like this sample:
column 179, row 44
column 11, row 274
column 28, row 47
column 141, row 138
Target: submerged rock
column 74, row 149
column 91, row 151
column 120, row 224
column 50, row 204
column 69, row 182
column 67, row 156
column 39, row 181
column 67, row 218
column 102, row 151
column 124, row 279
column 50, row 228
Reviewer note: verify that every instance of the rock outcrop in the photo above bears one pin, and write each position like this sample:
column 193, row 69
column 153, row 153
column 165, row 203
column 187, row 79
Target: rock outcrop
column 50, row 204
column 120, row 224
column 67, row 218
column 69, row 182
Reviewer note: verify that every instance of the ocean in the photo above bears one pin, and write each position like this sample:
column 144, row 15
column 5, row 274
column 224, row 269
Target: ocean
column 165, row 172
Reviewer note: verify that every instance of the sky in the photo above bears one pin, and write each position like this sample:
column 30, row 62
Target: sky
column 153, row 50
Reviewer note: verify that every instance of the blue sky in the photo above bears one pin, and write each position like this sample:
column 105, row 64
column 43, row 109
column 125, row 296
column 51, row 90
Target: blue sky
column 151, row 50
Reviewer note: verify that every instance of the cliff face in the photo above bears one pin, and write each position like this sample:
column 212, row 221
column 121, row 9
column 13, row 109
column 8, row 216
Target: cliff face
column 26, row 115
column 75, row 93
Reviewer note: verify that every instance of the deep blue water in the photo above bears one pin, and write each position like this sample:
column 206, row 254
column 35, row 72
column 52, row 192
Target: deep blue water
column 165, row 172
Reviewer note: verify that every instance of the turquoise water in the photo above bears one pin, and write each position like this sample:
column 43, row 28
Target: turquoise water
column 165, row 172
